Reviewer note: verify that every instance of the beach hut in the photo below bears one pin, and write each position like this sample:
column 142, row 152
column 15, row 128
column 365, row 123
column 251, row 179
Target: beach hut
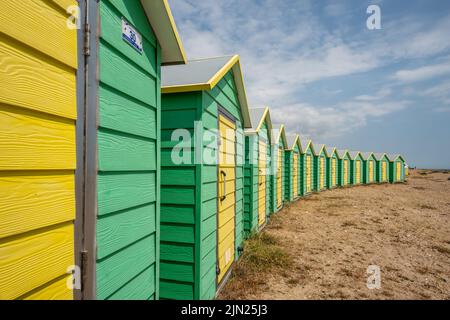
column 83, row 164
column 257, row 170
column 279, row 144
column 292, row 168
column 306, row 167
column 320, row 167
column 343, row 167
column 332, row 167
column 356, row 168
column 381, row 167
column 204, row 114
column 369, row 167
column 396, row 168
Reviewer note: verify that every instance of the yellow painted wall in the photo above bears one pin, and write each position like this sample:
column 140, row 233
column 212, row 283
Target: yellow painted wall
column 295, row 175
column 38, row 55
column 226, row 201
column 308, row 173
column 279, row 178
column 333, row 172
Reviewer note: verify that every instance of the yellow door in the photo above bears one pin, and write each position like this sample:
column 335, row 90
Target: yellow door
column 371, row 171
column 345, row 172
column 398, row 171
column 322, row 173
column 295, row 175
column 308, row 173
column 333, row 172
column 38, row 113
column 358, row 172
column 279, row 180
column 384, row 171
column 262, row 182
column 226, row 201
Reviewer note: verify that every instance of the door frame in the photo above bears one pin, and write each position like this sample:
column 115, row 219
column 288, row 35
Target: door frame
column 221, row 111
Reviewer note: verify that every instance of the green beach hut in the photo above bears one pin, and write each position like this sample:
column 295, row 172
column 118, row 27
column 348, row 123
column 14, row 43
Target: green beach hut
column 332, row 167
column 356, row 168
column 204, row 113
column 257, row 170
column 343, row 168
column 306, row 167
column 369, row 167
column 396, row 168
column 382, row 167
column 292, row 168
column 129, row 41
column 320, row 167
column 279, row 144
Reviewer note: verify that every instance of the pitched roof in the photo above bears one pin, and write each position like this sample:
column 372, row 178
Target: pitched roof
column 379, row 156
column 318, row 147
column 393, row 157
column 292, row 139
column 353, row 154
column 278, row 132
column 366, row 155
column 329, row 151
column 161, row 19
column 257, row 118
column 341, row 153
column 203, row 75
column 304, row 143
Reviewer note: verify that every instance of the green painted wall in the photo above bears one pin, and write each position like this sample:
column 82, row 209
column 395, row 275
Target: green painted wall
column 303, row 171
column 341, row 170
column 329, row 173
column 393, row 171
column 189, row 193
column 317, row 173
column 379, row 166
column 353, row 170
column 274, row 175
column 251, row 184
column 366, row 169
column 289, row 172
column 128, row 158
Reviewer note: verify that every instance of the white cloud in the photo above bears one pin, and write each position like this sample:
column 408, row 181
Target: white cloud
column 327, row 122
column 422, row 73
column 285, row 48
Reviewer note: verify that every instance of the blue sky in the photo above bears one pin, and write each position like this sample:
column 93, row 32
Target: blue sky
column 329, row 78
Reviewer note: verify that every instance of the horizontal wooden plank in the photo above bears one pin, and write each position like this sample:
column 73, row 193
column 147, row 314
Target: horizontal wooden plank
column 31, row 79
column 124, row 190
column 178, row 176
column 118, row 72
column 118, row 112
column 56, row 290
column 33, row 260
column 37, row 143
column 177, row 271
column 112, row 26
column 122, row 152
column 176, row 290
column 119, row 269
column 178, row 214
column 177, row 195
column 177, row 252
column 140, row 288
column 41, row 26
column 29, row 202
column 178, row 119
column 64, row 4
column 177, row 233
column 119, row 230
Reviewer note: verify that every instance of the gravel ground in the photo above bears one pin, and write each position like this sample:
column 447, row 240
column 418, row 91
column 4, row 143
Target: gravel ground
column 334, row 236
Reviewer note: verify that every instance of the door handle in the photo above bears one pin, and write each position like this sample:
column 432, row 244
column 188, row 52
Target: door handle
column 224, row 195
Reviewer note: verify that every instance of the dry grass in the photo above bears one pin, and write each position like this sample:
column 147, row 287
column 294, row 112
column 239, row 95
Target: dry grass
column 441, row 249
column 262, row 256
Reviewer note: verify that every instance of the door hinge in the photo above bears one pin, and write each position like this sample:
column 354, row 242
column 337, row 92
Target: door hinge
column 87, row 40
column 217, row 269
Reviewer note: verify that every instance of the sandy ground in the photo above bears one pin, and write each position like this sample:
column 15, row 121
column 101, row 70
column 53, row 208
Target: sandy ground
column 335, row 235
